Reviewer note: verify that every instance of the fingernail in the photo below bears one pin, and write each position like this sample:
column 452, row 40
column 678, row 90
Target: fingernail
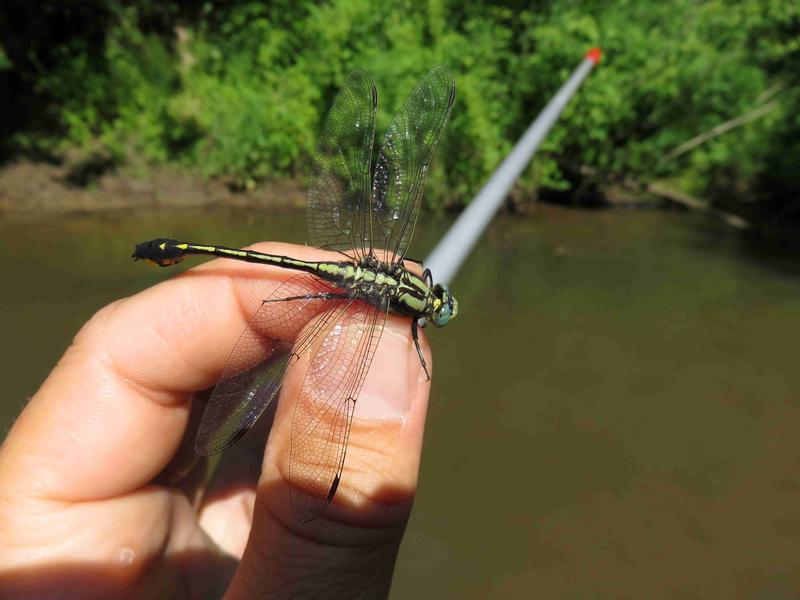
column 390, row 385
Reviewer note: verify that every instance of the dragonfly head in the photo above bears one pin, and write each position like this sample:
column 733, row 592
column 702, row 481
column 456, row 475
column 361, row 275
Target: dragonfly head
column 445, row 306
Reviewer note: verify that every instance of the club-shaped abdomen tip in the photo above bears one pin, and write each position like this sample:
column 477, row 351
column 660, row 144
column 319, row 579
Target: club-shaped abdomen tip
column 161, row 252
column 141, row 251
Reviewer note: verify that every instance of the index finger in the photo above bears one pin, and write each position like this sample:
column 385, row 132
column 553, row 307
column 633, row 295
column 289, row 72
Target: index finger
column 112, row 412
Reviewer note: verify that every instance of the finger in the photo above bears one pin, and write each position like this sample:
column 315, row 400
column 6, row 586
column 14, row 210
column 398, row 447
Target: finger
column 186, row 470
column 373, row 500
column 111, row 414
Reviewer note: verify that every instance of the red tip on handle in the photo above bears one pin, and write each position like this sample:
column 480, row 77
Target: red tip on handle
column 594, row 55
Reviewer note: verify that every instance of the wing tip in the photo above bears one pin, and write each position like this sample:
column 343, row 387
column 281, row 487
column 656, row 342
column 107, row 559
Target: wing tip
column 204, row 447
column 443, row 71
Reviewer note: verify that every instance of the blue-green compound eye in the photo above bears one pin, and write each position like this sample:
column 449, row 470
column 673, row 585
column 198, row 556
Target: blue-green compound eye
column 442, row 316
column 447, row 310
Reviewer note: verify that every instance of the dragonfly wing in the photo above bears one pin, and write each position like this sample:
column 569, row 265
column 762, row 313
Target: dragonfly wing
column 324, row 410
column 339, row 188
column 272, row 342
column 403, row 161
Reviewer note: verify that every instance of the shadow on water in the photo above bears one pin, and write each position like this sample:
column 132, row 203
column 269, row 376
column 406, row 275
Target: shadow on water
column 615, row 411
column 784, row 256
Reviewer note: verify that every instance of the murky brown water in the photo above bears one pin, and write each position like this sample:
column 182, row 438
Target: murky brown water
column 615, row 413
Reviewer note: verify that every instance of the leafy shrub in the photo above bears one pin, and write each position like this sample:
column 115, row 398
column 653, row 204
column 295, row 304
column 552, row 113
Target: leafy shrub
column 239, row 90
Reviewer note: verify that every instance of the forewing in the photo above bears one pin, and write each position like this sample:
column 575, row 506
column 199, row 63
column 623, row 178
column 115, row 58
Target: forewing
column 255, row 370
column 339, row 188
column 403, row 161
column 324, row 410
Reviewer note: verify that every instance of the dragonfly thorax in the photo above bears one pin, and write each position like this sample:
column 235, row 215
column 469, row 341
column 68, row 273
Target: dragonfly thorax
column 393, row 287
column 408, row 294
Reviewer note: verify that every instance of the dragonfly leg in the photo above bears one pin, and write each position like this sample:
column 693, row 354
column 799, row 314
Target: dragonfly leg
column 415, row 337
column 427, row 277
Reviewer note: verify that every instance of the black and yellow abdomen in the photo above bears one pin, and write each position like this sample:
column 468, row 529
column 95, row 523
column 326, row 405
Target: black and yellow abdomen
column 165, row 252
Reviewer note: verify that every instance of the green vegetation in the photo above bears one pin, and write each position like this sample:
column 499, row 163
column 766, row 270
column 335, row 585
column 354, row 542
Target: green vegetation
column 237, row 90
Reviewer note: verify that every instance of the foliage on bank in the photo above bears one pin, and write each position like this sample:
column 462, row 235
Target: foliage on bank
column 238, row 90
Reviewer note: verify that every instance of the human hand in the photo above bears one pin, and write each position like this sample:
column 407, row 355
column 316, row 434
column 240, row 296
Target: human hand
column 101, row 496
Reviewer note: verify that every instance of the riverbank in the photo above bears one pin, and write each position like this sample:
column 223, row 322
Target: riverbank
column 35, row 189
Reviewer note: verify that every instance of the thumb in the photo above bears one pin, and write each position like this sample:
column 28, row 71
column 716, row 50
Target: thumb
column 350, row 548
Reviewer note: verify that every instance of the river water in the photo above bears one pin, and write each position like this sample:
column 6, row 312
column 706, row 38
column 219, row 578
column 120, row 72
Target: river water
column 614, row 413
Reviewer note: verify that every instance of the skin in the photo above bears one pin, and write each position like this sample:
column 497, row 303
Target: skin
column 101, row 495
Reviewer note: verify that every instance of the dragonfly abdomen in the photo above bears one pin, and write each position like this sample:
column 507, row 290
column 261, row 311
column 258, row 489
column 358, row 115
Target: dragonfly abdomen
column 165, row 252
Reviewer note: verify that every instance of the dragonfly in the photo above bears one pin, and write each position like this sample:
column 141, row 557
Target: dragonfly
column 331, row 313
